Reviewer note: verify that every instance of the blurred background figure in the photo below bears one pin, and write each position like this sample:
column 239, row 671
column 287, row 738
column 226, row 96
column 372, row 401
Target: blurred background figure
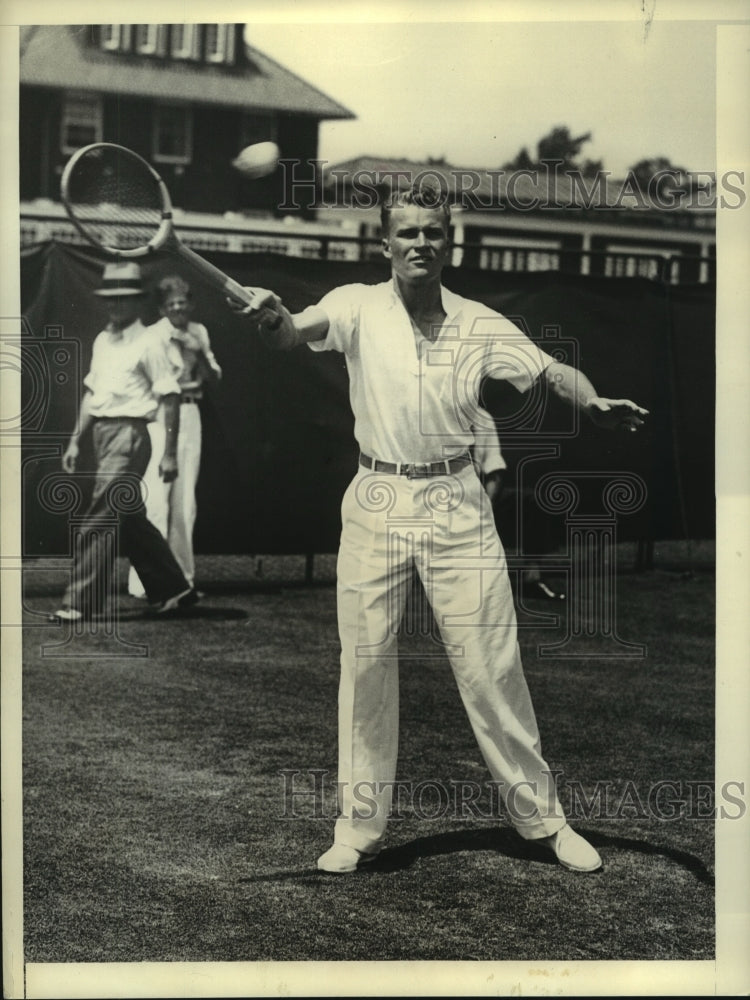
column 130, row 376
column 171, row 506
column 511, row 509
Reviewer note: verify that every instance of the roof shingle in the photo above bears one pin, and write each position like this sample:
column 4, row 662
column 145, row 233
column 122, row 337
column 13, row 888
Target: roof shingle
column 60, row 56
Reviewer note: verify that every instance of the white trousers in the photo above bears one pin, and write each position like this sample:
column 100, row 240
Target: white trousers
column 171, row 507
column 444, row 527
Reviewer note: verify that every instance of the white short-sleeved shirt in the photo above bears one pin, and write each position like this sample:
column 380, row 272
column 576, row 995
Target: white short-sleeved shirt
column 129, row 373
column 415, row 400
column 190, row 343
column 488, row 455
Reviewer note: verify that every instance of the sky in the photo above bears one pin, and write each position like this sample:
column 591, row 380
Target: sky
column 477, row 92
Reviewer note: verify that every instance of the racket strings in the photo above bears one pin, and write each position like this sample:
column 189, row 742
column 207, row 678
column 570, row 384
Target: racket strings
column 115, row 198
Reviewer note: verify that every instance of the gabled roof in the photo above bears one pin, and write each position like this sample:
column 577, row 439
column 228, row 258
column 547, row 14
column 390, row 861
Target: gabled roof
column 60, row 56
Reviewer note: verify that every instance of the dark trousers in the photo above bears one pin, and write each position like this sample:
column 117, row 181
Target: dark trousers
column 122, row 448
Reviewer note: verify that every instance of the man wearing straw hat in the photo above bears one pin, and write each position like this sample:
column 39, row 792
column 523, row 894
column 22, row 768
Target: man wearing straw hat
column 130, row 374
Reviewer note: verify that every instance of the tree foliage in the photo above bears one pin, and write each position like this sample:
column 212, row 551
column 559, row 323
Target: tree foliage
column 558, row 147
column 658, row 170
column 561, row 147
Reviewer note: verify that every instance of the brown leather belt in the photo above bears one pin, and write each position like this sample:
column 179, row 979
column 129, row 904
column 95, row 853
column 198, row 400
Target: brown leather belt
column 186, row 397
column 413, row 470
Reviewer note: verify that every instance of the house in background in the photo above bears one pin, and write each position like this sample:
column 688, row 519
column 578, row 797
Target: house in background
column 542, row 220
column 188, row 98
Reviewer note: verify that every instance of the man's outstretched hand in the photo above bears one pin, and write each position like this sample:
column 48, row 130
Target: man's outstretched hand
column 268, row 315
column 616, row 414
column 262, row 300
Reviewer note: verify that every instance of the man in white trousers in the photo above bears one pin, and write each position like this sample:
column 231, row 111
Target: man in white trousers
column 416, row 354
column 171, row 506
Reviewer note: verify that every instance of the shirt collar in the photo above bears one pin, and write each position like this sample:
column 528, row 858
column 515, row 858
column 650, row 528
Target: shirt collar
column 129, row 331
column 186, row 336
column 452, row 303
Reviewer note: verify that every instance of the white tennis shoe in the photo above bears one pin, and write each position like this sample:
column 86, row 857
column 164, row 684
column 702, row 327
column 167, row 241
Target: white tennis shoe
column 341, row 859
column 66, row 615
column 572, row 851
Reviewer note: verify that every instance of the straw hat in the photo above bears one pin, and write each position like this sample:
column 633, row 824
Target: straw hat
column 123, row 278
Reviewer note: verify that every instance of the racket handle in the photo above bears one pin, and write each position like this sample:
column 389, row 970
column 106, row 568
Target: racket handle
column 231, row 287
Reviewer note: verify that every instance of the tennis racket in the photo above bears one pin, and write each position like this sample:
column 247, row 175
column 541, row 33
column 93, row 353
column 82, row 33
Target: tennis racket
column 119, row 203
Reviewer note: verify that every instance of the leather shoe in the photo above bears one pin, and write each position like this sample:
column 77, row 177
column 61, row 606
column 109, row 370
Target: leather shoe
column 572, row 851
column 341, row 859
column 186, row 599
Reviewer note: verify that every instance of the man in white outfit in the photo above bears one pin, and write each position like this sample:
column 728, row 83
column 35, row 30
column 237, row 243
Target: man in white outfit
column 171, row 506
column 416, row 354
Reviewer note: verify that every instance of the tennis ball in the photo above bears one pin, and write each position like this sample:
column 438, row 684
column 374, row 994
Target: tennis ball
column 257, row 160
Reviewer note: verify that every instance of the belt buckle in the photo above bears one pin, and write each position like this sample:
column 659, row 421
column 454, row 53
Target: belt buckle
column 414, row 471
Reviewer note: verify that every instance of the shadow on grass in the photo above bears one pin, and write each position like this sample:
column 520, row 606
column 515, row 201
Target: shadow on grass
column 54, row 588
column 502, row 841
column 688, row 861
column 200, row 613
column 264, row 586
column 128, row 615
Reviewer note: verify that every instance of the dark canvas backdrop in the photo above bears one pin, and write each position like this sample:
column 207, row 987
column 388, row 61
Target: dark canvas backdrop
column 278, row 449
